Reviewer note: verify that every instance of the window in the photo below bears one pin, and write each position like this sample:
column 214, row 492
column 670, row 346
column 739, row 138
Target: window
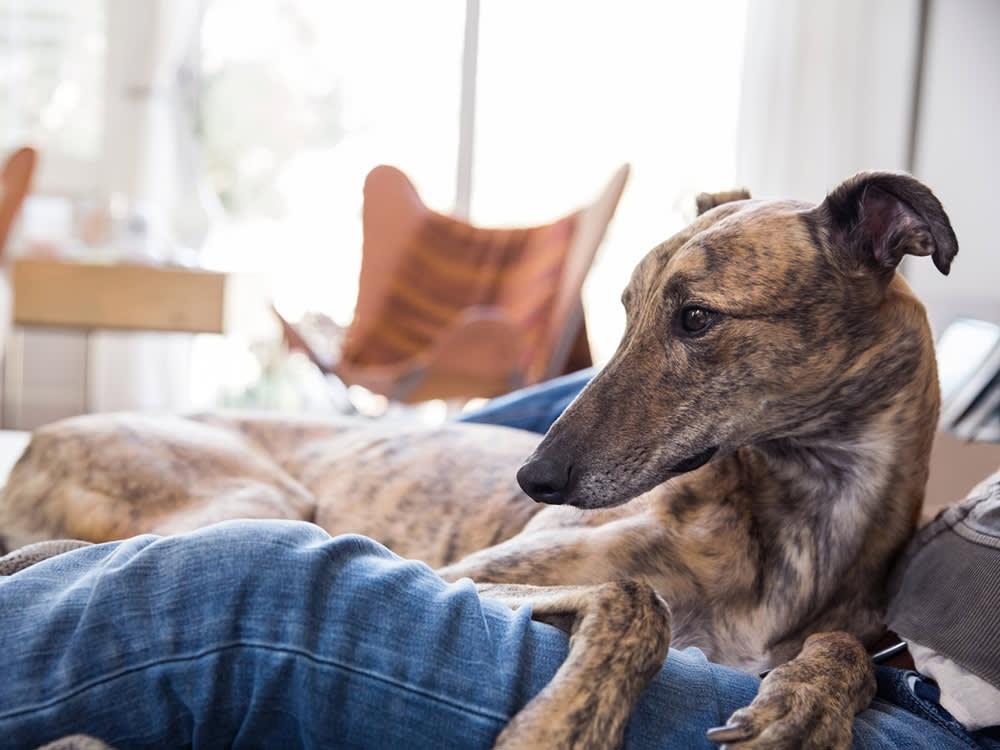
column 52, row 85
column 297, row 100
column 300, row 99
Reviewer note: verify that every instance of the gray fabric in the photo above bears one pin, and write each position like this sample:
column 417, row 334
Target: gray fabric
column 21, row 558
column 945, row 591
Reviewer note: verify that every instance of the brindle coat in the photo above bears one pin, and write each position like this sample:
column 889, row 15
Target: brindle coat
column 794, row 426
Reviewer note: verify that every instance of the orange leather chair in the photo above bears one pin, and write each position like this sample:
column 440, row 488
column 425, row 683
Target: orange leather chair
column 15, row 182
column 453, row 311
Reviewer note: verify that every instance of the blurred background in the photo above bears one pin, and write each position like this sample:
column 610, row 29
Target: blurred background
column 223, row 146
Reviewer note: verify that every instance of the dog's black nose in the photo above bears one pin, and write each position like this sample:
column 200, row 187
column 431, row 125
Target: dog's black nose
column 545, row 481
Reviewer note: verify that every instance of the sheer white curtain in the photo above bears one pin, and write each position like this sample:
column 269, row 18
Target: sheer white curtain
column 149, row 164
column 827, row 91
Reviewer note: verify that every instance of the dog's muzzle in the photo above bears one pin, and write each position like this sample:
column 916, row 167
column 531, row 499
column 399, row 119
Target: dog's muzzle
column 552, row 482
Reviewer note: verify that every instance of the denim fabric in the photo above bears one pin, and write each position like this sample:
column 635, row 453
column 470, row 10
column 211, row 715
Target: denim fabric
column 918, row 720
column 534, row 408
column 274, row 634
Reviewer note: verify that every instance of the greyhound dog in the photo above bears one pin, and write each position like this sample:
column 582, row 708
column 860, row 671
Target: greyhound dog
column 754, row 455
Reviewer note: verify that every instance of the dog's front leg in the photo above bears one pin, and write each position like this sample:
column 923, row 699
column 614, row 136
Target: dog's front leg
column 809, row 702
column 619, row 634
column 555, row 557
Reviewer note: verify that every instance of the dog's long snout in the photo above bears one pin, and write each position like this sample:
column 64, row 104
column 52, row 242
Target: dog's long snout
column 546, row 480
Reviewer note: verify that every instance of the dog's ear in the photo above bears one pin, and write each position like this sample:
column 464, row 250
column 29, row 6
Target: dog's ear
column 876, row 218
column 708, row 201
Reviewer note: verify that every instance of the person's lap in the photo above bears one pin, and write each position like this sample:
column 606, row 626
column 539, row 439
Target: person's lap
column 272, row 633
column 259, row 633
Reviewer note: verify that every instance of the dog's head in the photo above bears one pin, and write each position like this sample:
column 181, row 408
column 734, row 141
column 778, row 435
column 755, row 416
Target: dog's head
column 761, row 321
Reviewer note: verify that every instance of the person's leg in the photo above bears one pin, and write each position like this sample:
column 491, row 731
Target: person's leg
column 274, row 634
column 259, row 633
column 534, row 408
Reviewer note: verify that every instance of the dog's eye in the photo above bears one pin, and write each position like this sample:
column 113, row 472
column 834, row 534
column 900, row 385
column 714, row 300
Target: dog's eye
column 695, row 319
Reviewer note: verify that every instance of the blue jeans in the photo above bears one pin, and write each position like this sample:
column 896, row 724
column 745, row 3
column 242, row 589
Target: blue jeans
column 274, row 634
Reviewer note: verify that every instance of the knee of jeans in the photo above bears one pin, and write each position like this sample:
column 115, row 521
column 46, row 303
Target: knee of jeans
column 252, row 563
column 249, row 535
column 273, row 548
column 241, row 533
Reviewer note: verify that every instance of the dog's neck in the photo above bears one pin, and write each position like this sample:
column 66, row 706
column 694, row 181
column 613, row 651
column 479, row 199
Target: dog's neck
column 819, row 472
column 836, row 490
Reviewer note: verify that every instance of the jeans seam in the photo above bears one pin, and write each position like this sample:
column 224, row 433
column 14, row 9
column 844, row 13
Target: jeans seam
column 713, row 679
column 214, row 650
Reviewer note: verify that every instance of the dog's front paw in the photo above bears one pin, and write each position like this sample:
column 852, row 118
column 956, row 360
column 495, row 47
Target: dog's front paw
column 786, row 720
column 810, row 702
